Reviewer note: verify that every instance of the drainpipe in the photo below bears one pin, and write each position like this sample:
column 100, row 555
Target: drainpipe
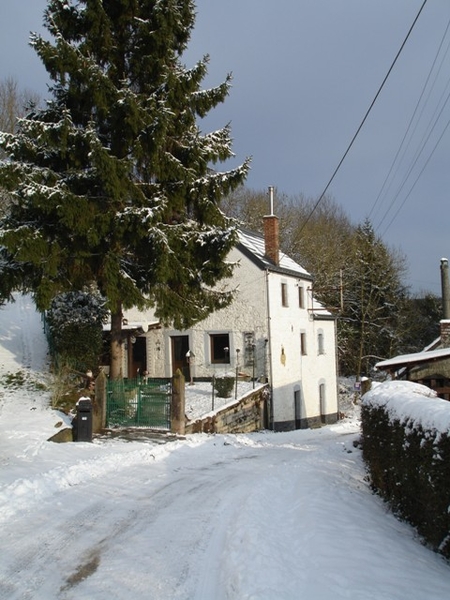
column 269, row 335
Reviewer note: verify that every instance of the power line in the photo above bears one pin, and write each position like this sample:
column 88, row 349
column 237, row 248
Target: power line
column 417, row 179
column 408, row 129
column 364, row 119
column 414, row 163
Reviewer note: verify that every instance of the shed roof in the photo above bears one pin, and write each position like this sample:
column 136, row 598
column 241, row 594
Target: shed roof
column 407, row 360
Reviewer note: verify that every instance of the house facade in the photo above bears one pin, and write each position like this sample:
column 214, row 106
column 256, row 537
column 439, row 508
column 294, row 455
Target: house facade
column 274, row 331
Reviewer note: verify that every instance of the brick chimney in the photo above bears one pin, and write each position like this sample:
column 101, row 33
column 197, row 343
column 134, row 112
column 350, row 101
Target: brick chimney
column 271, row 234
column 445, row 333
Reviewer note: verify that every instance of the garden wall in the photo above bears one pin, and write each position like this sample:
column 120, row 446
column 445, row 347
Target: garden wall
column 241, row 416
column 406, row 446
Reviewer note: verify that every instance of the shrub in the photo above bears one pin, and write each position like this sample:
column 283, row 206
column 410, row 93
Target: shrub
column 224, row 386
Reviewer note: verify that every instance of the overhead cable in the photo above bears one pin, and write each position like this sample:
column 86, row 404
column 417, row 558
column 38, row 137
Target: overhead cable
column 396, row 163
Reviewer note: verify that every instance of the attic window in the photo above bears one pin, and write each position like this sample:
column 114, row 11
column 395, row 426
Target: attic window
column 301, row 297
column 284, row 295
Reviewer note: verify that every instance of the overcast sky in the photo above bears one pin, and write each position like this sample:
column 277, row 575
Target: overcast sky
column 304, row 74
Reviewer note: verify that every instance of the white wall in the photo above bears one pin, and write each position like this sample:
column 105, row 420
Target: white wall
column 291, row 370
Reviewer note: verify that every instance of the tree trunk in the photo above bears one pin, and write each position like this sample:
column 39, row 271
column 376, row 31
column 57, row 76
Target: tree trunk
column 116, row 343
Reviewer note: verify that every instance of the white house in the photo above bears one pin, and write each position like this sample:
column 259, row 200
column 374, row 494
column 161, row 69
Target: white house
column 273, row 331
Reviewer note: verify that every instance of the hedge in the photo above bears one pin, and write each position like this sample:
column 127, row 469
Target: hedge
column 406, row 447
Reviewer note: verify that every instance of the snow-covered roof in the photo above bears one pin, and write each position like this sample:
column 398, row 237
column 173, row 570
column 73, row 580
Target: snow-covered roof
column 134, row 325
column 417, row 357
column 253, row 243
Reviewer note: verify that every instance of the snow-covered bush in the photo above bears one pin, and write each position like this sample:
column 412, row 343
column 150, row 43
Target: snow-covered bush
column 224, row 386
column 406, row 446
column 74, row 323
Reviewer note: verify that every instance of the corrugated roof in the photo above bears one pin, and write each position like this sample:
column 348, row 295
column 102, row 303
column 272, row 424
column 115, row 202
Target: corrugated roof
column 416, row 357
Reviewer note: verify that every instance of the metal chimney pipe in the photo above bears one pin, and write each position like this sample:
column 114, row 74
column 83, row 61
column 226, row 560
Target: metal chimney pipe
column 445, row 289
column 271, row 199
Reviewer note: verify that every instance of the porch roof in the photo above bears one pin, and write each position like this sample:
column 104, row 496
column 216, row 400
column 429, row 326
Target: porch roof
column 134, row 325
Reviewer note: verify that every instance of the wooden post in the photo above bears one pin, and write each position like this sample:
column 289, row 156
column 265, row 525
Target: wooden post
column 178, row 420
column 366, row 385
column 99, row 421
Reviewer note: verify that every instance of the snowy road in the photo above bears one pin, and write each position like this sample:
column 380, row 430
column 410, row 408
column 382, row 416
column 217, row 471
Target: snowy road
column 213, row 518
column 249, row 517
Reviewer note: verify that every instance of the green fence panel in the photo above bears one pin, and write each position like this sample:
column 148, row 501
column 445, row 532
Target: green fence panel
column 139, row 403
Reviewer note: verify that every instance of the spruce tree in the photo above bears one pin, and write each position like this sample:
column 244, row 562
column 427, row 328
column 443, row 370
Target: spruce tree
column 373, row 299
column 112, row 181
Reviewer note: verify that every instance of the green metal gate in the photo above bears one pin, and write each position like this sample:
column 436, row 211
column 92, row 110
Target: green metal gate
column 139, row 403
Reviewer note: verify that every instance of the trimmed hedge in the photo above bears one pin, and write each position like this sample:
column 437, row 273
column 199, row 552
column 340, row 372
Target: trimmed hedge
column 409, row 462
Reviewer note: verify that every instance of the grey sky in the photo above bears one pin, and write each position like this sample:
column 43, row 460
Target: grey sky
column 304, row 75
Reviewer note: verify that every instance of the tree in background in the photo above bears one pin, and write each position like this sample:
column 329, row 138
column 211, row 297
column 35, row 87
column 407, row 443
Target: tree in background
column 421, row 316
column 112, row 182
column 373, row 300
column 14, row 104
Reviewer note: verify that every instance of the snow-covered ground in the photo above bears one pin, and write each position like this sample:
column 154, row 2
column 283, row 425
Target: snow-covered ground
column 286, row 516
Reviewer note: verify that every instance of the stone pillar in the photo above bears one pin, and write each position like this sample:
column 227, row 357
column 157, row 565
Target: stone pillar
column 178, row 413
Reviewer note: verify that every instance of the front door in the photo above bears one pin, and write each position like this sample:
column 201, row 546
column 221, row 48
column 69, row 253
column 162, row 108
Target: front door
column 136, row 356
column 139, row 357
column 180, row 347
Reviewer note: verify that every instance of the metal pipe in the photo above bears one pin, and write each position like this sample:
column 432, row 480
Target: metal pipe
column 445, row 289
column 271, row 199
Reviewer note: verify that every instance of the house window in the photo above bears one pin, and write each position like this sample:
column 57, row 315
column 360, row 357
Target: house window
column 303, row 344
column 301, row 297
column 284, row 295
column 320, row 343
column 220, row 348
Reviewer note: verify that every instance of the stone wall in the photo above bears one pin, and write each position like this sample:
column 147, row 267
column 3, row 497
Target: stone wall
column 243, row 416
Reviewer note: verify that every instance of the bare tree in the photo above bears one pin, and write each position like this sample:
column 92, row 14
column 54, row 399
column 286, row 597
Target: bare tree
column 14, row 104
